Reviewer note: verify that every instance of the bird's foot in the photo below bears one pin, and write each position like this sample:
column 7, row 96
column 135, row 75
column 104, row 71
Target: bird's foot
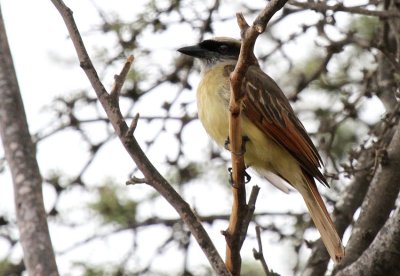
column 247, row 177
column 227, row 143
column 245, row 139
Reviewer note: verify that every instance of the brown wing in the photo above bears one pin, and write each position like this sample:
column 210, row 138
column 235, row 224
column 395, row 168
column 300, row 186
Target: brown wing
column 269, row 109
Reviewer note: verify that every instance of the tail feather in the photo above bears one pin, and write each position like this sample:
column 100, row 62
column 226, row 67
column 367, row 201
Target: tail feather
column 322, row 220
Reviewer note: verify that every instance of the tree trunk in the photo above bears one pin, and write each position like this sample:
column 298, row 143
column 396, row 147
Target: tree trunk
column 20, row 154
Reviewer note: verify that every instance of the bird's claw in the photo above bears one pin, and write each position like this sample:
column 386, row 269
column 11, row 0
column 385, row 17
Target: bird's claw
column 245, row 139
column 247, row 177
column 227, row 143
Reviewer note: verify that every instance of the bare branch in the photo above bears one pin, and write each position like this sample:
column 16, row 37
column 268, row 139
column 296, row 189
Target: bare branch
column 120, row 79
column 153, row 177
column 324, row 7
column 377, row 205
column 382, row 256
column 259, row 255
column 133, row 125
column 136, row 180
column 251, row 206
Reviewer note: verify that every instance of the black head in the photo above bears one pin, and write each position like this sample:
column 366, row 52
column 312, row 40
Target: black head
column 214, row 49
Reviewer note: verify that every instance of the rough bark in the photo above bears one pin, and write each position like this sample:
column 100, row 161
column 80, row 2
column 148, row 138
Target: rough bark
column 382, row 257
column 377, row 206
column 384, row 189
column 352, row 198
column 19, row 150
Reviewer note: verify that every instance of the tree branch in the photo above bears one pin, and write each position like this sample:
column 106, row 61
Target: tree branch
column 152, row 176
column 120, row 79
column 377, row 205
column 259, row 255
column 353, row 196
column 20, row 153
column 351, row 199
column 385, row 185
column 324, row 7
column 246, row 58
column 382, row 256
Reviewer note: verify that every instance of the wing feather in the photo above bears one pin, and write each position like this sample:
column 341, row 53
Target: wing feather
column 270, row 110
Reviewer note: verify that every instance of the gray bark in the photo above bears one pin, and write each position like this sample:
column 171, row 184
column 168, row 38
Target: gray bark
column 382, row 257
column 376, row 208
column 20, row 154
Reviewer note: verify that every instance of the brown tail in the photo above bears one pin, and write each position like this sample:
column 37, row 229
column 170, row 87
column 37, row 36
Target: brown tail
column 322, row 220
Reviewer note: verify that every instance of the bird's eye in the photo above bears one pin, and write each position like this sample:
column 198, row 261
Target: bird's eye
column 223, row 49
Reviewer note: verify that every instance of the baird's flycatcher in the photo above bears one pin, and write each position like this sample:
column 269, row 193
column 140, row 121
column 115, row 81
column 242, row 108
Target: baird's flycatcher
column 278, row 146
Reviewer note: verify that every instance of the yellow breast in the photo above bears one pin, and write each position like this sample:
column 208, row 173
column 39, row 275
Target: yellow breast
column 213, row 102
column 262, row 153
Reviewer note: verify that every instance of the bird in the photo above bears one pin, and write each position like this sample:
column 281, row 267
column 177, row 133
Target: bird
column 278, row 147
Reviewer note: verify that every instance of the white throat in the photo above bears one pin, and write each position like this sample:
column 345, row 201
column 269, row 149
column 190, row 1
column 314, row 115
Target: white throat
column 207, row 64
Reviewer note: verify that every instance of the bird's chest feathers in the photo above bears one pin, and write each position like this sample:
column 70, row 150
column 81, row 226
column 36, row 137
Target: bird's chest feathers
column 212, row 102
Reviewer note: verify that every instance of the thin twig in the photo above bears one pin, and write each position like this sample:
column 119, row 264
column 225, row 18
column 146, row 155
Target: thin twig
column 133, row 125
column 259, row 255
column 136, row 180
column 120, row 79
column 323, row 7
column 251, row 207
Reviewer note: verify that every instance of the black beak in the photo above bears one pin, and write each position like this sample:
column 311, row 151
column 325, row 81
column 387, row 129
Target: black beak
column 193, row 51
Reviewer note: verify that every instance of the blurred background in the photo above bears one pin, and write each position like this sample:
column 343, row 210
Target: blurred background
column 327, row 61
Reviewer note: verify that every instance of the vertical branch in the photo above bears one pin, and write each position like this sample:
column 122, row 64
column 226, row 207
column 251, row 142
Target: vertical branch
column 239, row 206
column 20, row 152
column 246, row 58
